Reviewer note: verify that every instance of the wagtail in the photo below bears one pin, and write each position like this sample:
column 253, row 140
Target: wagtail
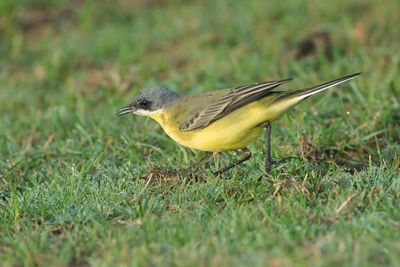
column 222, row 120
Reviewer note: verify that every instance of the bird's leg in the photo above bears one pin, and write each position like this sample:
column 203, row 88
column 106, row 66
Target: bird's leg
column 247, row 154
column 268, row 157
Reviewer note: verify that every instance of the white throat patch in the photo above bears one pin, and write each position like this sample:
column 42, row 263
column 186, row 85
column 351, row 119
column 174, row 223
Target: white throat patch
column 143, row 112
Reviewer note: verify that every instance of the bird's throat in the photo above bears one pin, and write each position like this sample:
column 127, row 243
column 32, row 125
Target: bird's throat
column 159, row 117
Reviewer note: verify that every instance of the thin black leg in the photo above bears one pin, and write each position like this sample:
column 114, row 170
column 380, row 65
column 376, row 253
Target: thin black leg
column 268, row 156
column 247, row 155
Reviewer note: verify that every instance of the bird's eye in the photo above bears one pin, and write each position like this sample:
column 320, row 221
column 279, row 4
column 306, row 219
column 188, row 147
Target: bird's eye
column 144, row 104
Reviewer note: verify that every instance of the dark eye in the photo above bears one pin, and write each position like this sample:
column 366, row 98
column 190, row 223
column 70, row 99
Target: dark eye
column 144, row 104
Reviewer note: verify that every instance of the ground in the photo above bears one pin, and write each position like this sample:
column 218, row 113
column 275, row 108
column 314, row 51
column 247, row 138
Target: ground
column 80, row 186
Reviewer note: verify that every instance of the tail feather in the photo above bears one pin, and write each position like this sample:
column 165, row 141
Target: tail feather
column 319, row 88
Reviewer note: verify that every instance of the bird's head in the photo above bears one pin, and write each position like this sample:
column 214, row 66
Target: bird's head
column 149, row 101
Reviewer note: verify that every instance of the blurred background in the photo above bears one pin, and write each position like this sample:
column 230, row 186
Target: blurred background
column 66, row 160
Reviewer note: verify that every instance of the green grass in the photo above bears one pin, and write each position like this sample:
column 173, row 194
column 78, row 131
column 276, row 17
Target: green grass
column 73, row 176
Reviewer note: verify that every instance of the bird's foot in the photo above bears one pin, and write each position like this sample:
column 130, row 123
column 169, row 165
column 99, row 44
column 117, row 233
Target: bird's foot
column 270, row 162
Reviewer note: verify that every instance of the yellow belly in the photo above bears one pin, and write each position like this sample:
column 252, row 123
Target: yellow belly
column 216, row 137
column 234, row 131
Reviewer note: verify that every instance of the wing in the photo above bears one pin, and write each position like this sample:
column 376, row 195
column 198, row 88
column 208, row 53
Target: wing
column 228, row 101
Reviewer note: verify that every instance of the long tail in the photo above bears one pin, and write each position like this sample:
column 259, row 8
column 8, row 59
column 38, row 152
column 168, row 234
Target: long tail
column 282, row 101
column 302, row 94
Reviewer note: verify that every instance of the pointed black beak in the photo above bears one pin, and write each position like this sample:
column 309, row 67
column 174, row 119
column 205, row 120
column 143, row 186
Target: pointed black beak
column 124, row 110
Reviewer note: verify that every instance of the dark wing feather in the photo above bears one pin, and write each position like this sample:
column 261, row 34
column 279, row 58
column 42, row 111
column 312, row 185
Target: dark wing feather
column 231, row 100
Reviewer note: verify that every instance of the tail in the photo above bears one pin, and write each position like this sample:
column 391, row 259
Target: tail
column 286, row 100
column 303, row 94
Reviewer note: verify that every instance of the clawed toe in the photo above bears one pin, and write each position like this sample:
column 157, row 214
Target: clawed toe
column 269, row 163
column 282, row 160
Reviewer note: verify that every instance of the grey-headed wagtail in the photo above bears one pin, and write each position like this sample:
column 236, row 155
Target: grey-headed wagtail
column 222, row 120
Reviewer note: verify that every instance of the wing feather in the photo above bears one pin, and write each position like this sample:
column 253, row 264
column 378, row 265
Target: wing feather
column 231, row 100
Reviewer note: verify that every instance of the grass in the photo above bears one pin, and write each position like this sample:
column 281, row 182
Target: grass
column 80, row 186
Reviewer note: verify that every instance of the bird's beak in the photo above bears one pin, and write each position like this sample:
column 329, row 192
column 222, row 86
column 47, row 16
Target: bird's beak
column 125, row 110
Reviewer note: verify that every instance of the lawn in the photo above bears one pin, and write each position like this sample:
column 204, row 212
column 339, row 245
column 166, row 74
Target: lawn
column 80, row 186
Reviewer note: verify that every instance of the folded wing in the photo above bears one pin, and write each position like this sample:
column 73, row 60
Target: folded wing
column 228, row 101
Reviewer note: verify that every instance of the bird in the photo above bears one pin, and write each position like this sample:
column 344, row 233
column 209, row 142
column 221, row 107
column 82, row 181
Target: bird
column 223, row 120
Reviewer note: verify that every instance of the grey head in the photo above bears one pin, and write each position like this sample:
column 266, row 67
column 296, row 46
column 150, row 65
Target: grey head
column 149, row 100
